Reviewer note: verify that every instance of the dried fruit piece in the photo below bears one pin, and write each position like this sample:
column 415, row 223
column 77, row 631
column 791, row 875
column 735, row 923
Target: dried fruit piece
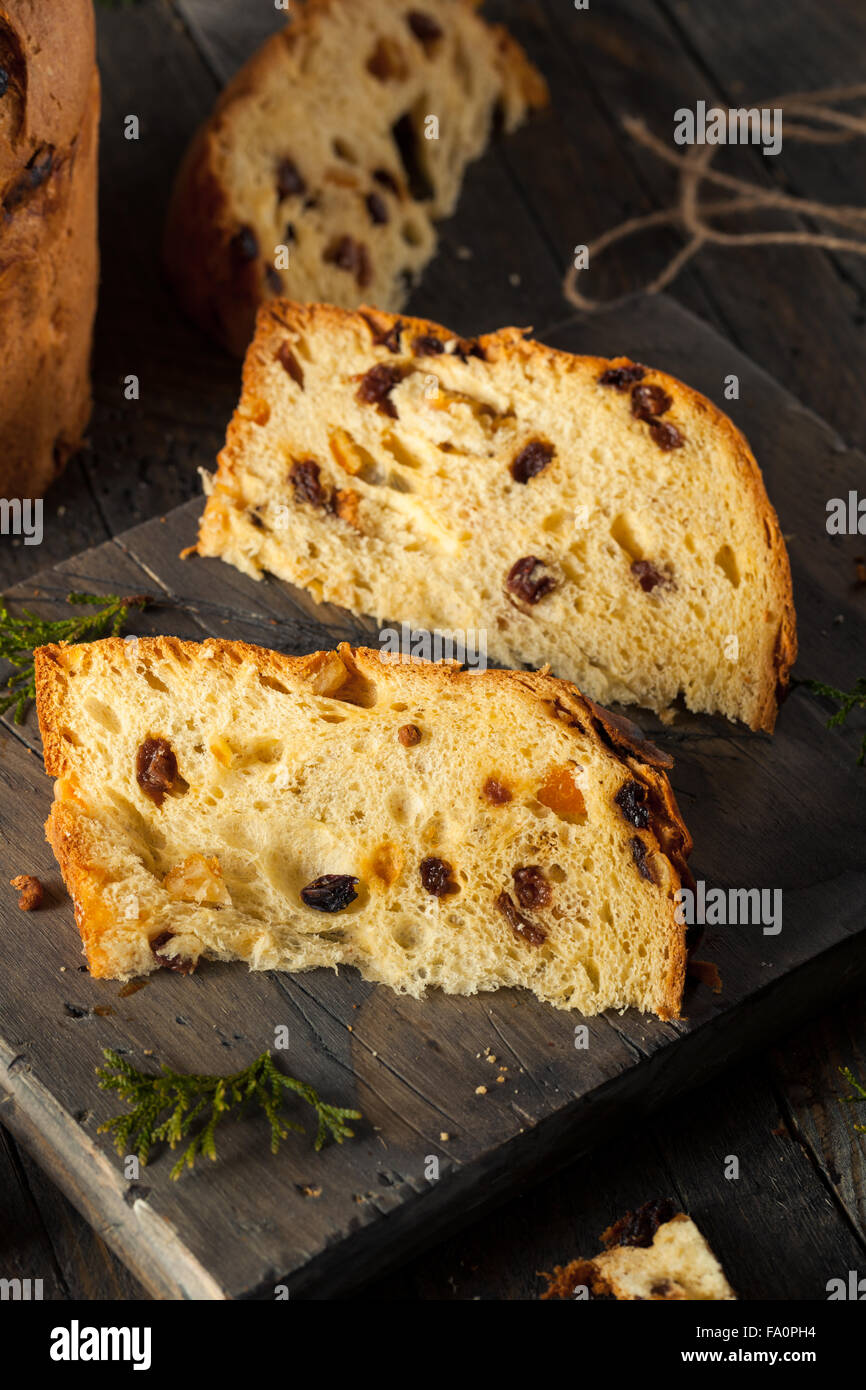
column 346, row 506
column 289, row 361
column 638, row 853
column 156, row 768
column 639, row 1227
column 377, row 208
column 531, row 887
column 330, row 893
column 426, row 345
column 352, row 256
column 648, row 576
column 376, row 386
column 528, row 580
column 290, row 181
column 30, row 890
column 469, row 347
column 647, row 401
column 496, row 791
column 305, row 478
column 388, row 61
column 197, row 880
column 244, row 245
column 385, row 337
column 409, row 735
column 425, row 28
column 179, row 964
column 622, row 377
column 561, row 794
column 666, row 436
column 520, row 925
column 630, row 799
column 531, row 460
column 437, row 877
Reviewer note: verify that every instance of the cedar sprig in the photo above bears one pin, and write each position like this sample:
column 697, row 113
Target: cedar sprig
column 858, row 1096
column 21, row 634
column 172, row 1106
column 847, row 700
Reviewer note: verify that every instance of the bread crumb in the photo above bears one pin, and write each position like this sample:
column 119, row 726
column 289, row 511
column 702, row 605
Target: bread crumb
column 30, row 890
column 481, row 1090
column 444, row 1137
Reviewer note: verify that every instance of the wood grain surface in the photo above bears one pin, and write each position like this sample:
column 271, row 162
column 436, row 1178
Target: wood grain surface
column 562, row 180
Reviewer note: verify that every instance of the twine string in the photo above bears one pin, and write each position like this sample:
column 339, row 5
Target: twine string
column 693, row 215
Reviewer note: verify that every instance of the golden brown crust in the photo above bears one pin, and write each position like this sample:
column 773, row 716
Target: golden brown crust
column 48, row 250
column 553, row 698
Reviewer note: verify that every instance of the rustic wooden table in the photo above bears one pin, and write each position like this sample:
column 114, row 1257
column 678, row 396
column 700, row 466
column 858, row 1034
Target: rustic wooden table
column 800, row 314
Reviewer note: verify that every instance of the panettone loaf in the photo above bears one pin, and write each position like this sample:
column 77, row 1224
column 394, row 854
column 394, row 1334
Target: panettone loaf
column 49, row 114
column 655, row 1254
column 596, row 515
column 431, row 826
column 336, row 149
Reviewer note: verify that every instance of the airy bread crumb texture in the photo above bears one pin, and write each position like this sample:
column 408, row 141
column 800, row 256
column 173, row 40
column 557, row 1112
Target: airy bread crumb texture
column 287, row 769
column 387, row 465
column 343, row 141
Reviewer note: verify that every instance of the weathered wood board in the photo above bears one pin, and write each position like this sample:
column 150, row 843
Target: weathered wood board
column 786, row 812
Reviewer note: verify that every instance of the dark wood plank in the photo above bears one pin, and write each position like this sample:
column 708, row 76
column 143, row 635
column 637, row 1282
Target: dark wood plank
column 414, row 1067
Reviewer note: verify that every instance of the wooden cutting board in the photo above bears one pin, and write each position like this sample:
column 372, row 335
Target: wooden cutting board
column 786, row 812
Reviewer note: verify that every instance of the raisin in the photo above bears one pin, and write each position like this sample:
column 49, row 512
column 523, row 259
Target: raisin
column 531, row 887
column 520, row 925
column 638, row 854
column 290, row 181
column 353, row 256
column 666, row 436
column 409, row 735
column 330, row 893
column 622, row 377
column 527, row 581
column 630, row 800
column 424, row 27
column 4, row 81
column 273, row 279
column 531, row 460
column 385, row 337
column 648, row 401
column 639, row 1227
column 496, row 792
column 290, row 235
column 648, row 576
column 387, row 180
column 663, row 1289
column 245, row 244
column 469, row 347
column 377, row 208
column 437, row 877
column 376, row 386
column 156, row 768
column 305, row 478
column 426, row 345
column 289, row 361
column 176, row 963
column 30, row 890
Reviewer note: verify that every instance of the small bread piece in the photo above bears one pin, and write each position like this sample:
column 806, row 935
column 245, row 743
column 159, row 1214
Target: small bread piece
column 223, row 800
column 595, row 515
column 332, row 154
column 655, row 1254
